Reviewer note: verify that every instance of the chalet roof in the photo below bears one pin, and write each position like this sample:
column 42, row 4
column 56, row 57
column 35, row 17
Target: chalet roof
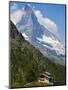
column 47, row 73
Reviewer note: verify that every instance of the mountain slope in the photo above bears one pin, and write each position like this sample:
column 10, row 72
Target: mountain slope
column 40, row 37
column 27, row 63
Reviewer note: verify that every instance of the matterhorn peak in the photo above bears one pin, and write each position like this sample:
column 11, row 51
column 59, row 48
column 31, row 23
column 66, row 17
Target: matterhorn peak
column 27, row 8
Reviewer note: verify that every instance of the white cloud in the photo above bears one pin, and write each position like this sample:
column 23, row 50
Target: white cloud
column 16, row 16
column 46, row 22
column 16, row 13
column 13, row 7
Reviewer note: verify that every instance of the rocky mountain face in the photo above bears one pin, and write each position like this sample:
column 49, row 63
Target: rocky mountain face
column 40, row 37
column 27, row 62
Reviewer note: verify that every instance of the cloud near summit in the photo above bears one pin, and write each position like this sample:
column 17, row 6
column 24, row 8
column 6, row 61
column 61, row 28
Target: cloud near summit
column 16, row 16
column 46, row 22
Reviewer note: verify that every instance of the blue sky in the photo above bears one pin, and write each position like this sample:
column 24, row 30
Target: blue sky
column 55, row 12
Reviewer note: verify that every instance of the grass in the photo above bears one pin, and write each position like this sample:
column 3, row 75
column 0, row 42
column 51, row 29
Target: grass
column 31, row 84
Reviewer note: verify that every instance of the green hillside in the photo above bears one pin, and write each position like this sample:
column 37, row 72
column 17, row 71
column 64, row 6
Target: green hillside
column 27, row 63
